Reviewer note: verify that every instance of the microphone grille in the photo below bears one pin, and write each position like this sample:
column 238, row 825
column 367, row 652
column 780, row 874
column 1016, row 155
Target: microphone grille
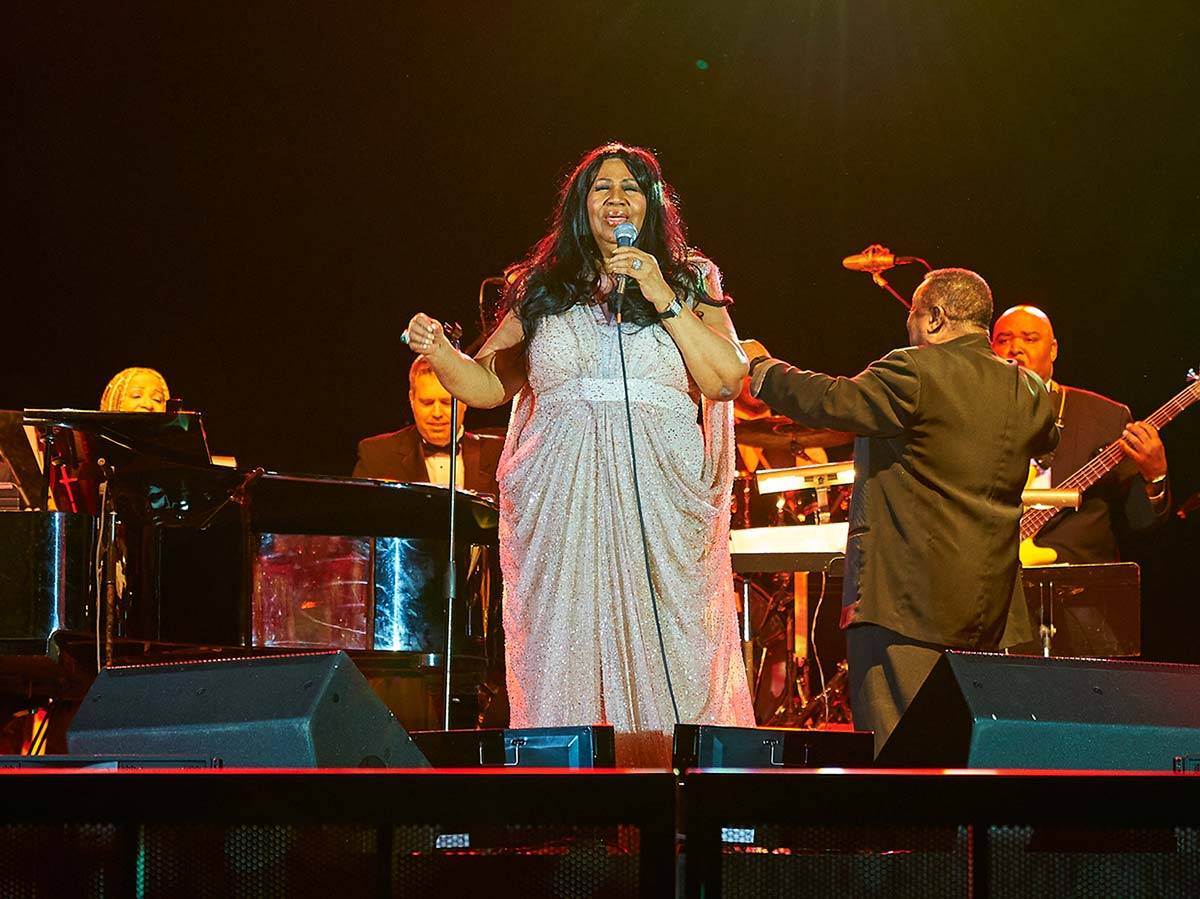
column 625, row 233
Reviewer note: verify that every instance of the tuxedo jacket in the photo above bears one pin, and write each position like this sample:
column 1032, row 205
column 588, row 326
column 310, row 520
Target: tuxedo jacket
column 398, row 456
column 946, row 432
column 1117, row 501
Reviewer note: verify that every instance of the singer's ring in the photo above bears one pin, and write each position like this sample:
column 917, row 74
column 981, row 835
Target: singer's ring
column 636, row 265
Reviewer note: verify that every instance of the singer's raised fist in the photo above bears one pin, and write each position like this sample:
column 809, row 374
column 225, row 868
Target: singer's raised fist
column 425, row 335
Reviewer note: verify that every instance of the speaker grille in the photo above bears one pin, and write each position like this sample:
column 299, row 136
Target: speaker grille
column 344, row 861
column 1155, row 863
column 560, row 861
column 52, row 860
column 257, row 860
column 904, row 863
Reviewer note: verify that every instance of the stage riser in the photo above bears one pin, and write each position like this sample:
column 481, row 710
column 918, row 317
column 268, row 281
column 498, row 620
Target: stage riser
column 797, row 833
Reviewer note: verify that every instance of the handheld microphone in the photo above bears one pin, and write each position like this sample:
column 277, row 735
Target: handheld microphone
column 875, row 259
column 625, row 233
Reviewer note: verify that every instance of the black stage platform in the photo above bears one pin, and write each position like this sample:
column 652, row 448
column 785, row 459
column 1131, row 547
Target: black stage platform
column 823, row 833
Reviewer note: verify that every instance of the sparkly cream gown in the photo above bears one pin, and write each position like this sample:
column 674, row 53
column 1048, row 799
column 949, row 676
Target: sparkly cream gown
column 581, row 643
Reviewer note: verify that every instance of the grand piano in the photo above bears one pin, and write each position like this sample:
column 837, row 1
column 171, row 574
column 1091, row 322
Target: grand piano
column 198, row 560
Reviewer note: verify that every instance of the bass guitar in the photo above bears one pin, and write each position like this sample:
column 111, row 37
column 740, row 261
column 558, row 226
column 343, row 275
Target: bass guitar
column 1101, row 464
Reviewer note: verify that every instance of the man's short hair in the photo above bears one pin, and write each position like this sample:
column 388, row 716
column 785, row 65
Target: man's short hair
column 964, row 295
column 419, row 367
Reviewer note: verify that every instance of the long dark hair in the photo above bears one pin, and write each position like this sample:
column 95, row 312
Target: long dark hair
column 563, row 268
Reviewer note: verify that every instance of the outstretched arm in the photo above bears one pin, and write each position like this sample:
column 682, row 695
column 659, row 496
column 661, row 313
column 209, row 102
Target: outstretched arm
column 878, row 402
column 491, row 379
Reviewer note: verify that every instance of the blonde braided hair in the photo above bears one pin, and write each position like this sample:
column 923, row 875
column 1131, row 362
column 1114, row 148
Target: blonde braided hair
column 114, row 393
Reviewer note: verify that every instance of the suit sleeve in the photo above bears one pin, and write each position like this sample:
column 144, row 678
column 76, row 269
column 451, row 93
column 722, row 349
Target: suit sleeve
column 880, row 401
column 1139, row 511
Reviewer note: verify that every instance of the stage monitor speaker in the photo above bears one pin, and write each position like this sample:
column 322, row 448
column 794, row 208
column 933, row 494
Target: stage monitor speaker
column 710, row 746
column 983, row 710
column 304, row 710
column 585, row 746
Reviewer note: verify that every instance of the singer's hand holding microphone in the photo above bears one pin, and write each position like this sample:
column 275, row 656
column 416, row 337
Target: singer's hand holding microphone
column 627, row 261
column 424, row 335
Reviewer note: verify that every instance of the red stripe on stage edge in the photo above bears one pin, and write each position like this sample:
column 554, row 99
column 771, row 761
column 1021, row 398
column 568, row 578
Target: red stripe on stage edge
column 210, row 660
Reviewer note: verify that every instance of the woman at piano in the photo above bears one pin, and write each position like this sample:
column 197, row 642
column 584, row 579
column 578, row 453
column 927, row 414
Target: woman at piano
column 135, row 390
column 618, row 599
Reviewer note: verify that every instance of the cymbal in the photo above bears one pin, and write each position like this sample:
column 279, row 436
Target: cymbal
column 780, row 432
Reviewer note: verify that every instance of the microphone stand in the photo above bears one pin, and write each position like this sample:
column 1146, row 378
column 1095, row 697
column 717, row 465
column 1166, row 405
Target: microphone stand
column 489, row 322
column 453, row 332
column 878, row 278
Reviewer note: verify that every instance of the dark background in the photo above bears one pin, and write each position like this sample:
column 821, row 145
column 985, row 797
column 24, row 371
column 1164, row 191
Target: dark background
column 255, row 200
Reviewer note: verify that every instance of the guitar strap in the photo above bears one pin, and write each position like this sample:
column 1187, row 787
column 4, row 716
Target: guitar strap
column 1056, row 389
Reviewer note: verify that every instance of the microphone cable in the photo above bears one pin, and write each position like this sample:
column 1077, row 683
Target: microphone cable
column 812, row 640
column 637, row 495
column 812, row 644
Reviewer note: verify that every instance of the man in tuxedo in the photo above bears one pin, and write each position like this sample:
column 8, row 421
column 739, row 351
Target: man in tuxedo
column 944, row 434
column 1135, row 494
column 420, row 453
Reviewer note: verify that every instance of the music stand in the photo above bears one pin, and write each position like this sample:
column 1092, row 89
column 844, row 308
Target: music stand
column 818, row 477
column 1088, row 611
column 165, row 436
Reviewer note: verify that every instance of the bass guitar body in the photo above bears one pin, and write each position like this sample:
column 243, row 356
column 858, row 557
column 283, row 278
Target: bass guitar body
column 1033, row 555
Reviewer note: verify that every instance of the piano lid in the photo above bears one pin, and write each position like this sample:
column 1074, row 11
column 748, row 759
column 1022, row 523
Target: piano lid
column 280, row 503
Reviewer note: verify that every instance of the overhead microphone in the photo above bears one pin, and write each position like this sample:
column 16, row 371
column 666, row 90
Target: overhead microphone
column 875, row 259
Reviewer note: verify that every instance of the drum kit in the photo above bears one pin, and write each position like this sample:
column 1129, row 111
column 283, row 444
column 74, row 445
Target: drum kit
column 787, row 540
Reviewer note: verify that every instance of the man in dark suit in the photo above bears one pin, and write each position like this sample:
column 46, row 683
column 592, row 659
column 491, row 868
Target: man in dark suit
column 945, row 431
column 421, row 452
column 1135, row 493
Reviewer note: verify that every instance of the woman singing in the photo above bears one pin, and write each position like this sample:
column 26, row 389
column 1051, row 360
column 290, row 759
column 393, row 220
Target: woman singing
column 586, row 640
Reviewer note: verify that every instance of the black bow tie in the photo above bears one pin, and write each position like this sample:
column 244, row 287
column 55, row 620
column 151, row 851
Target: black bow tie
column 430, row 450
